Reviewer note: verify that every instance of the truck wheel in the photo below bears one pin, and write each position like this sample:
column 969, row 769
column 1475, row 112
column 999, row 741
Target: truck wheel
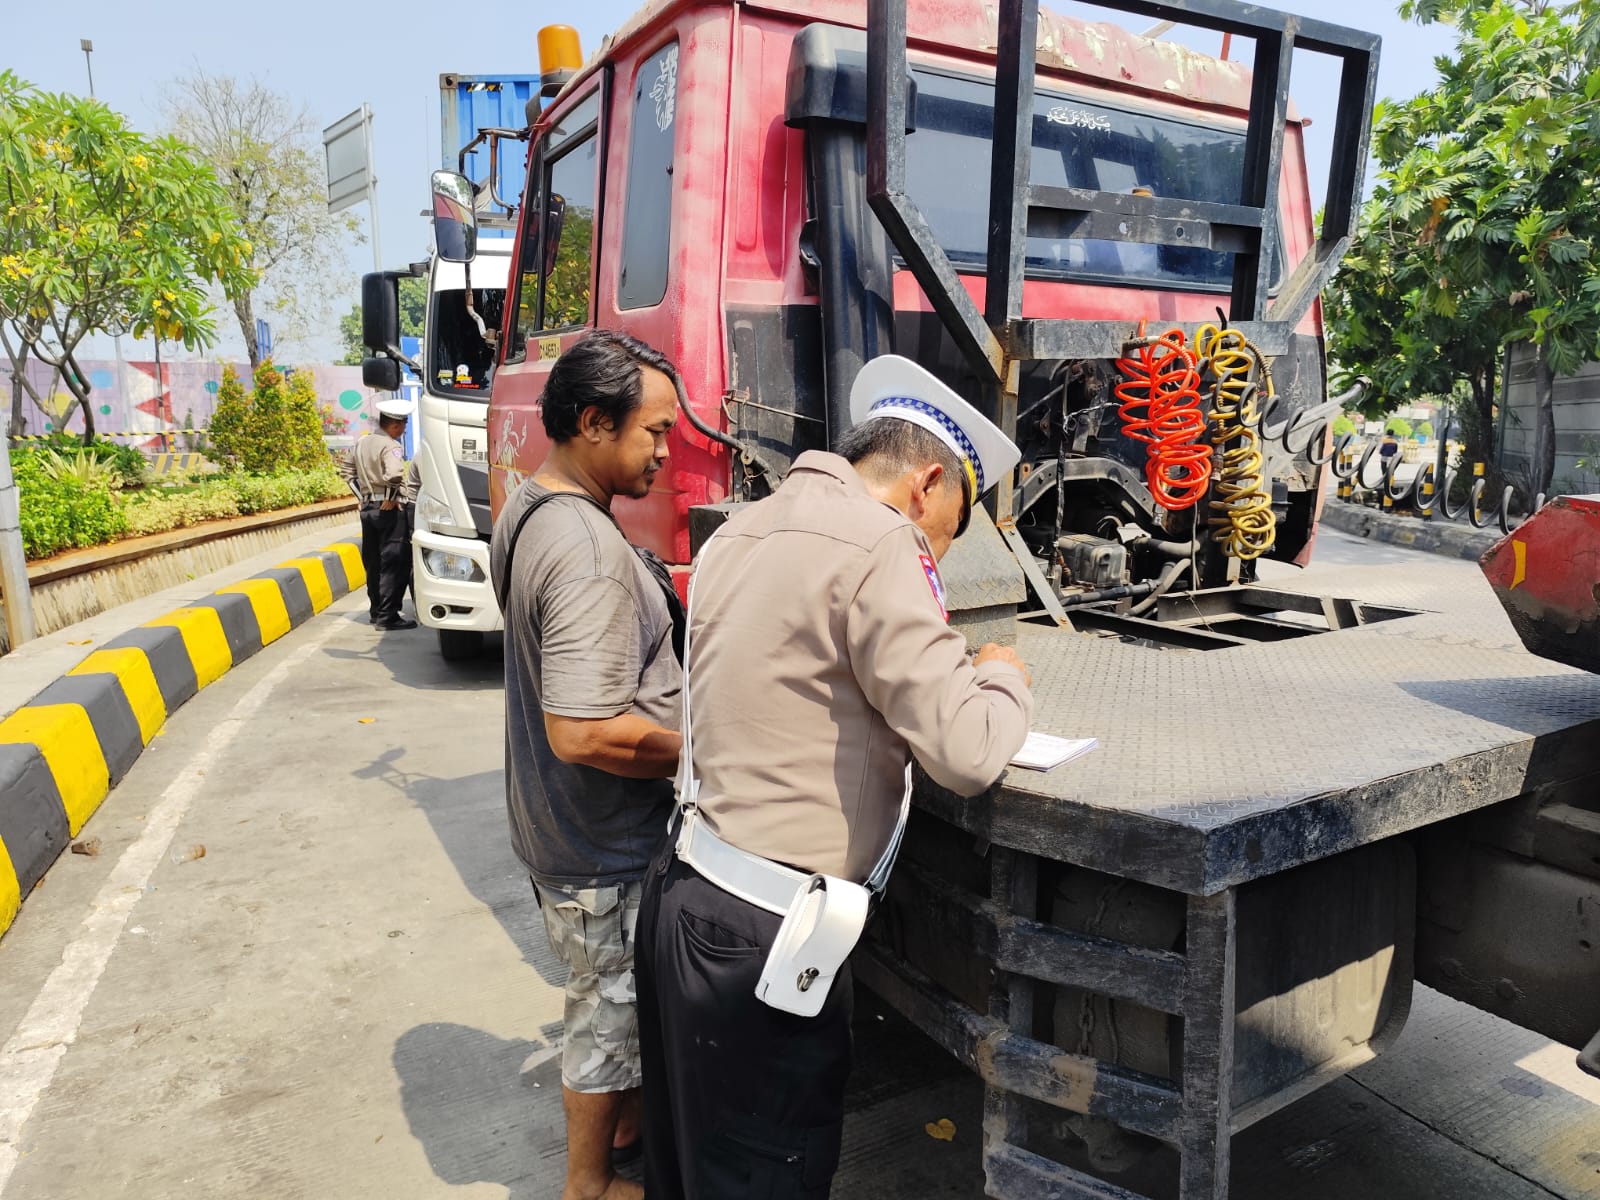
column 458, row 645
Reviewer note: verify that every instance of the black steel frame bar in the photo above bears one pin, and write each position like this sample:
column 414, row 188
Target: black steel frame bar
column 1208, row 1028
column 1263, row 164
column 1017, row 1064
column 886, row 192
column 1013, row 1171
column 1017, row 943
column 1198, row 986
column 992, row 340
column 1011, row 160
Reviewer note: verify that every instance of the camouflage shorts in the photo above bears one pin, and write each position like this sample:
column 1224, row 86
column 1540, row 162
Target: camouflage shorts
column 591, row 930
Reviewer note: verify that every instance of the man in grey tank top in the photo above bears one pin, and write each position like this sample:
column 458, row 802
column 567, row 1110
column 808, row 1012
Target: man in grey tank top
column 592, row 710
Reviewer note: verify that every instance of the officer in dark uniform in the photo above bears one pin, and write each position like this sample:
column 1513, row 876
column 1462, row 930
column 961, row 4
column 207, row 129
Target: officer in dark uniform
column 376, row 469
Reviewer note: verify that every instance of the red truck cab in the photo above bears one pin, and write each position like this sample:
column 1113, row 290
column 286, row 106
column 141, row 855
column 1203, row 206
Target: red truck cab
column 699, row 185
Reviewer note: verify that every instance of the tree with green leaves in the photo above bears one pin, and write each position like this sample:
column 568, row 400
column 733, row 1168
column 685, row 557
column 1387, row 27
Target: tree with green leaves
column 1480, row 231
column 102, row 230
column 267, row 155
column 413, row 310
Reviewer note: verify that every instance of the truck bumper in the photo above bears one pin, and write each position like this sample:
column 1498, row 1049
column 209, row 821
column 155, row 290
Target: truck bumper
column 453, row 603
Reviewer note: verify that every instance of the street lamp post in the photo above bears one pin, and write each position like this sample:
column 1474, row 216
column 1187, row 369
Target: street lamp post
column 87, row 47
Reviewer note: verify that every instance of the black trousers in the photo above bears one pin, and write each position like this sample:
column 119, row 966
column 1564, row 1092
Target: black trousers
column 741, row 1101
column 386, row 557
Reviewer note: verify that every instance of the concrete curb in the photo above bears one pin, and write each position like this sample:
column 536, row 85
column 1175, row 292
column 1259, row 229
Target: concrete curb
column 63, row 751
column 1450, row 538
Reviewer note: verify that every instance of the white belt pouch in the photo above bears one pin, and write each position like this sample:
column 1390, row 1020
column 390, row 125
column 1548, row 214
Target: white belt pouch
column 824, row 915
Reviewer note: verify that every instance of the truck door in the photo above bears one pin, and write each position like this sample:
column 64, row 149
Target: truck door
column 554, row 283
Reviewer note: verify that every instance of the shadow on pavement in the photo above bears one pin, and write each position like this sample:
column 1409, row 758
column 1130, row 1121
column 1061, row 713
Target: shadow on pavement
column 412, row 657
column 475, row 1118
column 468, row 816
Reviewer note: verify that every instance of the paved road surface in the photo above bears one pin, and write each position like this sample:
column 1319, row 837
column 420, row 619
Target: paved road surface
column 336, row 1001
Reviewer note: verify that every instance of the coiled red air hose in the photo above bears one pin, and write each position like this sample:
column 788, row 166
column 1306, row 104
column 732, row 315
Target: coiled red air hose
column 1160, row 395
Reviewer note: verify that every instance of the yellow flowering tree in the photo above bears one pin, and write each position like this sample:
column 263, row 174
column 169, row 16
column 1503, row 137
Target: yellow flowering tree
column 102, row 230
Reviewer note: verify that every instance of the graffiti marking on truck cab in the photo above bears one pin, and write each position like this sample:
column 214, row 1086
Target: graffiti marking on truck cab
column 1076, row 118
column 665, row 91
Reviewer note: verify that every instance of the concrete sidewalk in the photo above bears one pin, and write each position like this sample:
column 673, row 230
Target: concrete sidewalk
column 1452, row 539
column 85, row 702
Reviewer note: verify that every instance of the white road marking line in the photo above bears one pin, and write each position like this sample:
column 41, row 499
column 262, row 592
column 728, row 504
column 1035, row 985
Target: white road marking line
column 29, row 1059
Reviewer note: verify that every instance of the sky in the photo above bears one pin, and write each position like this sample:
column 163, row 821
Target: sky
column 333, row 57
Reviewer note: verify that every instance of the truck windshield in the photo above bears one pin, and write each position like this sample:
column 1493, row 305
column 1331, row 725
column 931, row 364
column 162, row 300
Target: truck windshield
column 1075, row 144
column 459, row 360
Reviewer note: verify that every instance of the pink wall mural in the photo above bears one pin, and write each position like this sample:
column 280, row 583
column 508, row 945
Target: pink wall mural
column 139, row 408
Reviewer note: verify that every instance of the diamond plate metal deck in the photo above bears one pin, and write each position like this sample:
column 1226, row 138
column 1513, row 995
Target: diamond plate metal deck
column 1219, row 767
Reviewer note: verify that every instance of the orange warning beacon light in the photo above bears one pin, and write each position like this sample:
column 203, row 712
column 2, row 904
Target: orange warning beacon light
column 560, row 58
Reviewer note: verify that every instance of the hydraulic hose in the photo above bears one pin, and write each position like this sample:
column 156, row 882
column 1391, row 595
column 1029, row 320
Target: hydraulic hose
column 746, row 453
column 1163, row 586
column 1242, row 520
column 1160, row 406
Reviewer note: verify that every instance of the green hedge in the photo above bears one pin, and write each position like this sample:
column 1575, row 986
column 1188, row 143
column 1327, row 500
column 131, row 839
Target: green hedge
column 128, row 460
column 231, row 495
column 66, row 514
column 62, row 514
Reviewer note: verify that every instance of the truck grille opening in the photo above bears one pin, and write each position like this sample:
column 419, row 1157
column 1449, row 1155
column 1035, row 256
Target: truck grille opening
column 1226, row 618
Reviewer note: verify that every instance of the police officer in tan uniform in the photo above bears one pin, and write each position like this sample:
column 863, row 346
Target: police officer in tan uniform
column 376, row 470
column 819, row 661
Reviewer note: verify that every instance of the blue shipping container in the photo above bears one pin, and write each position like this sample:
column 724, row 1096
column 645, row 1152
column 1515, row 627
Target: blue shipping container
column 471, row 103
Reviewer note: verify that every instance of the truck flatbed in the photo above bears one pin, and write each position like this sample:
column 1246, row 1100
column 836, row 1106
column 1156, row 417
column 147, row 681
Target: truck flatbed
column 1316, row 745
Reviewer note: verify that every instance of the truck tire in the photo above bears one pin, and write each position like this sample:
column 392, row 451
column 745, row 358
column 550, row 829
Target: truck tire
column 458, row 645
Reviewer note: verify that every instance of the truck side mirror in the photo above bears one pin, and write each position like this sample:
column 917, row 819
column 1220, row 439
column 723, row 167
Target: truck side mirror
column 555, row 216
column 381, row 374
column 380, row 311
column 455, row 220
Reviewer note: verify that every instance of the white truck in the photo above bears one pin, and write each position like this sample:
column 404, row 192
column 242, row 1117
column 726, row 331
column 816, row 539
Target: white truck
column 450, row 544
column 450, row 540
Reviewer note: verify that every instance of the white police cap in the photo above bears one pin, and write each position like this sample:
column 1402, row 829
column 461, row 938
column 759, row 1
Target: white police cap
column 891, row 386
column 398, row 410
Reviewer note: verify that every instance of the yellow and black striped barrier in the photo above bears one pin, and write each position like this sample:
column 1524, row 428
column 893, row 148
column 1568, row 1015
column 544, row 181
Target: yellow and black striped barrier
column 63, row 751
column 166, row 462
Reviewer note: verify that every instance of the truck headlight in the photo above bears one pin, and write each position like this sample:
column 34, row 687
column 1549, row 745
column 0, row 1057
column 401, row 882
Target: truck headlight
column 435, row 513
column 442, row 564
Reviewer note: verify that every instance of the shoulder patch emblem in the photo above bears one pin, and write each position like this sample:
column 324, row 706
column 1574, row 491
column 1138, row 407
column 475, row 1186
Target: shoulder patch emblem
column 935, row 584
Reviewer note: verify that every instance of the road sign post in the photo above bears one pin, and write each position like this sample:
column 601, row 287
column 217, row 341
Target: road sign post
column 13, row 560
column 348, row 145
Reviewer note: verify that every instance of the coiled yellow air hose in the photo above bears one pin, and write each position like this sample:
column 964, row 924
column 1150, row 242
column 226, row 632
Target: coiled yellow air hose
column 1241, row 506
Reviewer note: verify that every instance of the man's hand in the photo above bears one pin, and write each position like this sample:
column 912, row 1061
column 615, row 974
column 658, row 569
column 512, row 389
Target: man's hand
column 1003, row 654
column 389, row 505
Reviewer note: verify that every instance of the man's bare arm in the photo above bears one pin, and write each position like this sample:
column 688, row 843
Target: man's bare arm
column 626, row 745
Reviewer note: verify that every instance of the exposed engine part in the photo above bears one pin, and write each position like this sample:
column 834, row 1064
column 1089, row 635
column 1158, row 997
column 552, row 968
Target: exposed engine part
column 1163, row 586
column 1242, row 517
column 1124, row 591
column 1133, row 536
column 1160, row 395
column 1092, row 562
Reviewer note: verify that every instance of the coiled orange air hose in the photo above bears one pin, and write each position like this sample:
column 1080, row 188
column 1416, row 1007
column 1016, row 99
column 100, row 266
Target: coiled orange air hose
column 1160, row 395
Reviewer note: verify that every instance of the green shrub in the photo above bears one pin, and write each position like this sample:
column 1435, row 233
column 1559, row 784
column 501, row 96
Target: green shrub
column 225, row 431
column 303, row 447
column 1343, row 425
column 62, row 514
column 161, row 513
column 128, row 461
column 1425, row 429
column 234, row 494
column 275, row 427
column 85, row 468
column 1399, row 426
